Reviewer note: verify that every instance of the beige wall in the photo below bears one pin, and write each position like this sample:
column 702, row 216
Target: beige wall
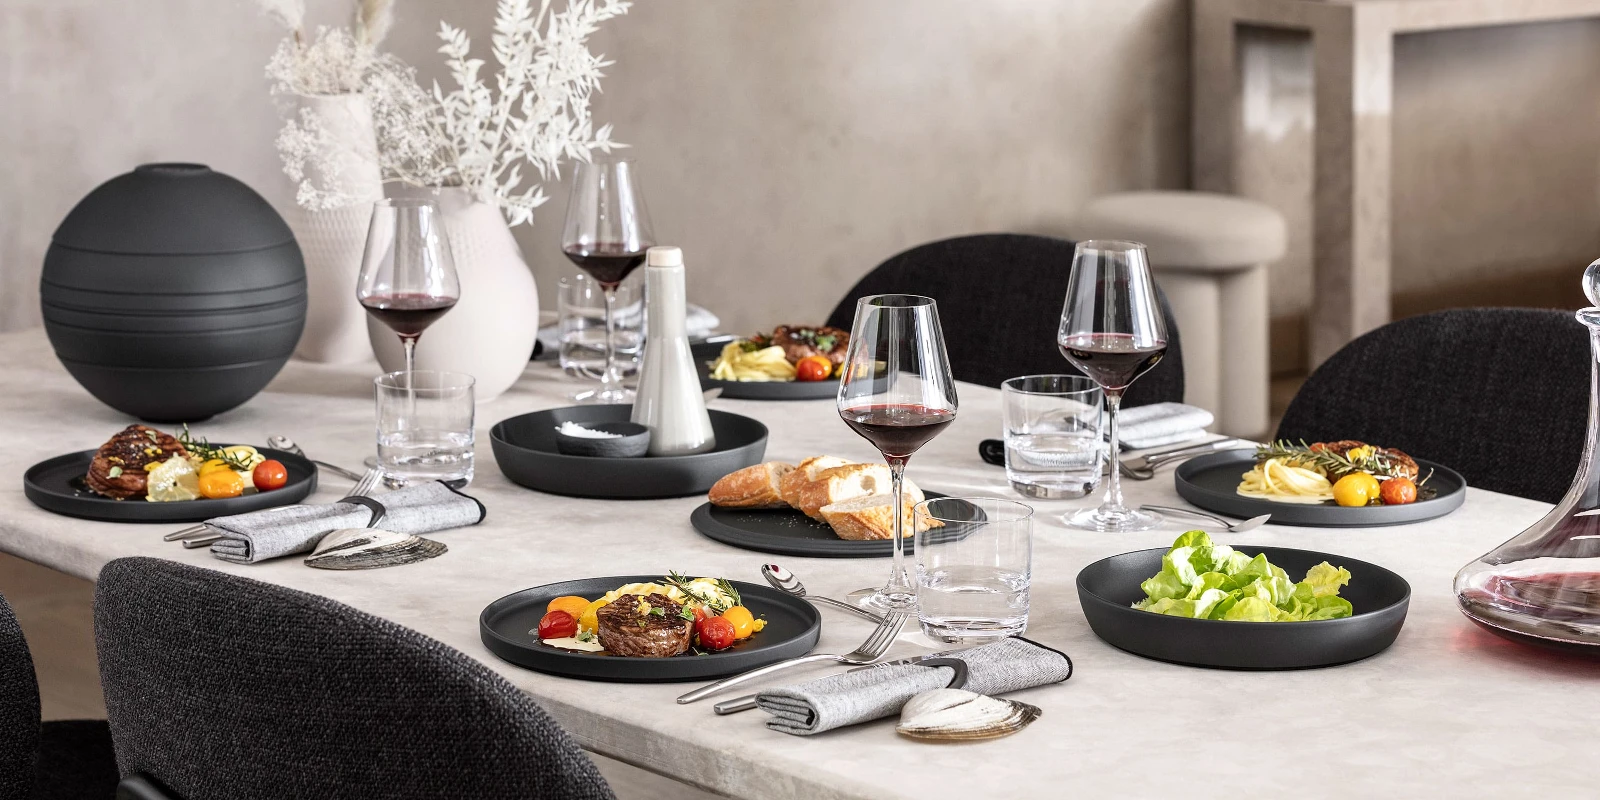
column 790, row 145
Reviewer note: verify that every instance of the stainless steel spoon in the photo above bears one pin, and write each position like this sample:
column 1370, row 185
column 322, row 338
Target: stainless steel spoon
column 1232, row 527
column 784, row 581
column 285, row 443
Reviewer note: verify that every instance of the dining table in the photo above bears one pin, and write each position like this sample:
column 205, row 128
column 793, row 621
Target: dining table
column 1448, row 710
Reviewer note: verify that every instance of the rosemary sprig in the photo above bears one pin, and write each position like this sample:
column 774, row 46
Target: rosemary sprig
column 1329, row 461
column 684, row 584
column 207, row 451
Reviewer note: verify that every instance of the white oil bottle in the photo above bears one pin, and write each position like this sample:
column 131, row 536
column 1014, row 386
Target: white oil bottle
column 669, row 401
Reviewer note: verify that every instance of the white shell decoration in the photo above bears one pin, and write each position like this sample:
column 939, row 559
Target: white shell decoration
column 960, row 715
column 371, row 548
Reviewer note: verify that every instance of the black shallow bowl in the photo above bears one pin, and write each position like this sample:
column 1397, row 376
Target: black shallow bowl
column 178, row 394
column 705, row 354
column 1211, row 482
column 506, row 627
column 525, row 450
column 632, row 440
column 789, row 532
column 1109, row 587
column 56, row 485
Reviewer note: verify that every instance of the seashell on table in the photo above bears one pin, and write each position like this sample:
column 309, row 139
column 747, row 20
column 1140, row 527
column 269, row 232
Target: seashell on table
column 371, row 548
column 960, row 715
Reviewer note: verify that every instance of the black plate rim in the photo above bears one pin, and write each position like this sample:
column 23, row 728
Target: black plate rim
column 1312, row 516
column 497, row 434
column 99, row 508
column 742, row 660
column 700, row 519
column 758, row 390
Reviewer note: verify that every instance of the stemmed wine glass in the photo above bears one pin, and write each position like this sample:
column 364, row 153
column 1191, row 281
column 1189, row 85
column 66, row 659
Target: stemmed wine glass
column 408, row 277
column 606, row 234
column 896, row 393
column 1112, row 330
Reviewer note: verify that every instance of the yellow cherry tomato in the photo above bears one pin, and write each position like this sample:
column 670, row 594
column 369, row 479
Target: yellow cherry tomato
column 572, row 604
column 744, row 623
column 221, row 483
column 1356, row 489
column 589, row 618
column 214, row 465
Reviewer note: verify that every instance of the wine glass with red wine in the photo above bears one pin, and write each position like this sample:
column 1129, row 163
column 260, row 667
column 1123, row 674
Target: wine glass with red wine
column 408, row 277
column 606, row 234
column 1113, row 331
column 897, row 393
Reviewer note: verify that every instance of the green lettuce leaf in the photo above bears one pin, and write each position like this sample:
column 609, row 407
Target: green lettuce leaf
column 1203, row 580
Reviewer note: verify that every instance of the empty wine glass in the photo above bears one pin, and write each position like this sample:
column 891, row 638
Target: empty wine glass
column 896, row 393
column 606, row 234
column 408, row 276
column 1112, row 330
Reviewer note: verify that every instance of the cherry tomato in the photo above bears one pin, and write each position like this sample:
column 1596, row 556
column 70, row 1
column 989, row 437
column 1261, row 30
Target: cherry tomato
column 699, row 613
column 557, row 625
column 1356, row 489
column 221, row 483
column 213, row 465
column 813, row 368
column 715, row 633
column 744, row 623
column 572, row 604
column 1398, row 492
column 269, row 475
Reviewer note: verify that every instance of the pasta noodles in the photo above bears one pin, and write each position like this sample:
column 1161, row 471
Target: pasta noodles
column 737, row 364
column 1277, row 479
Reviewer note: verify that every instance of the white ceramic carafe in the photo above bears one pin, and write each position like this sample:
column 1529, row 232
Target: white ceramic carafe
column 669, row 401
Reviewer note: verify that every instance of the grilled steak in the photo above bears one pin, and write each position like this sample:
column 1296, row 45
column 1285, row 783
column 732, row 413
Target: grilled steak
column 648, row 627
column 117, row 470
column 799, row 341
column 1404, row 466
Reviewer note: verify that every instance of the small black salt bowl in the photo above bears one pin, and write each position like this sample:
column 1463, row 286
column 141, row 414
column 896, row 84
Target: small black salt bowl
column 631, row 441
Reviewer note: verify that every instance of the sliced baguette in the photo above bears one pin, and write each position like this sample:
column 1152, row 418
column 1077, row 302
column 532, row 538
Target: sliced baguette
column 867, row 518
column 803, row 473
column 838, row 484
column 752, row 487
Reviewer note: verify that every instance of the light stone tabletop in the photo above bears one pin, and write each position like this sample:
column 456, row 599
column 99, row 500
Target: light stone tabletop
column 1447, row 711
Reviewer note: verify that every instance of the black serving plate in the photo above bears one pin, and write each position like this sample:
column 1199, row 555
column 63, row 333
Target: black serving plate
column 1108, row 588
column 1211, row 482
column 57, row 485
column 789, row 532
column 525, row 449
column 705, row 354
column 507, row 627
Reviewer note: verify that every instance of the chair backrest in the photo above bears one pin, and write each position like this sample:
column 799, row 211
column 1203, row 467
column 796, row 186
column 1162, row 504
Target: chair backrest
column 1000, row 297
column 219, row 687
column 19, row 710
column 1498, row 394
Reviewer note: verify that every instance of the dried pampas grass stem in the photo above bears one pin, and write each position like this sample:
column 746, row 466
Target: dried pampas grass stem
column 373, row 18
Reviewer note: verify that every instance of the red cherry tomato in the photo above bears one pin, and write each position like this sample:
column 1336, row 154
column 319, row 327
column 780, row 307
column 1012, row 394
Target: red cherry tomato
column 557, row 625
column 269, row 475
column 699, row 613
column 1398, row 492
column 715, row 633
column 813, row 368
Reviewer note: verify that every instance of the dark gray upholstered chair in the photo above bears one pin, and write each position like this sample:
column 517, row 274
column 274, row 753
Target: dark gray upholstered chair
column 1000, row 298
column 220, row 688
column 63, row 759
column 1499, row 394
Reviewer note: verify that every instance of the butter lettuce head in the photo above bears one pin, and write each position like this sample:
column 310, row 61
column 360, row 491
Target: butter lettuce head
column 1203, row 580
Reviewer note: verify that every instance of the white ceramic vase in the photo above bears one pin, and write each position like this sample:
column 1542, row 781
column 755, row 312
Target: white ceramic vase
column 332, row 240
column 490, row 333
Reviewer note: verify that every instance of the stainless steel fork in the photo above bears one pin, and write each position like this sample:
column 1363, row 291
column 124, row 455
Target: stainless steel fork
column 871, row 650
column 202, row 536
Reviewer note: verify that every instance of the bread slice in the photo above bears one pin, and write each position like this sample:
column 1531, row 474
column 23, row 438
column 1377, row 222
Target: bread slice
column 805, row 472
column 838, row 484
column 869, row 517
column 752, row 487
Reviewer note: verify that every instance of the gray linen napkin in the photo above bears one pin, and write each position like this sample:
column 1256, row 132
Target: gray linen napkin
column 854, row 697
column 275, row 532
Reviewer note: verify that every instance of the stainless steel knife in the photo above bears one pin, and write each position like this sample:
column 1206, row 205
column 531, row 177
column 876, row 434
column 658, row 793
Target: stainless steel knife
column 748, row 702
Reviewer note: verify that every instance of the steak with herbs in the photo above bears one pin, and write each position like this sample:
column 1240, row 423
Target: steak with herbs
column 651, row 626
column 1403, row 466
column 117, row 470
column 800, row 341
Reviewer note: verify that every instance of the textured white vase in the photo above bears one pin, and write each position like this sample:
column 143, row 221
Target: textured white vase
column 490, row 333
column 332, row 240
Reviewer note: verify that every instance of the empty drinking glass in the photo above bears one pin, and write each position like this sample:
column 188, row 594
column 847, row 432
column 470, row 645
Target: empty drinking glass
column 582, row 305
column 973, row 570
column 425, row 427
column 1054, row 444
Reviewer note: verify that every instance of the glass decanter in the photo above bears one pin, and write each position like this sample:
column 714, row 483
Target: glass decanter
column 1543, row 586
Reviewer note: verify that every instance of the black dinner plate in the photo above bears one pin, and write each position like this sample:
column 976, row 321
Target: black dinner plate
column 525, row 450
column 1211, row 482
column 56, row 485
column 706, row 354
column 507, row 627
column 789, row 532
column 1109, row 587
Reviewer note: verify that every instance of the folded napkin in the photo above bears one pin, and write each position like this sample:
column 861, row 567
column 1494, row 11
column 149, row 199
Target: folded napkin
column 869, row 694
column 275, row 532
column 1161, row 423
column 698, row 323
